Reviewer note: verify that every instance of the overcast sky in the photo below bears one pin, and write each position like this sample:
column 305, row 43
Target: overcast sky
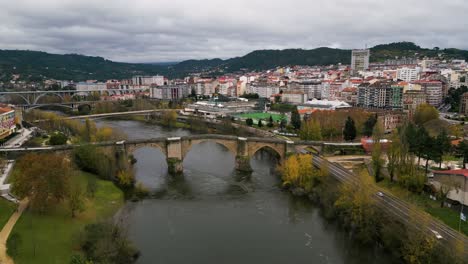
column 174, row 30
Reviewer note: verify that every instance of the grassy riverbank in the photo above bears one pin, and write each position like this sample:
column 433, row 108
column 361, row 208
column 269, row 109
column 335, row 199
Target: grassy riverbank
column 6, row 208
column 53, row 237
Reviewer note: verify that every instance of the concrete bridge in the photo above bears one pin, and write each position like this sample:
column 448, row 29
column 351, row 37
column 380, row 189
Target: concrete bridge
column 176, row 148
column 33, row 97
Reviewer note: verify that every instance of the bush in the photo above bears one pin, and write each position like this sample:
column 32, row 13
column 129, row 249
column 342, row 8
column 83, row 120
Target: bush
column 249, row 121
column 13, row 244
column 58, row 138
column 106, row 242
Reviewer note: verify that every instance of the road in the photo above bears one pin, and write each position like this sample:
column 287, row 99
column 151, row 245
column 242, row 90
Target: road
column 24, row 135
column 400, row 208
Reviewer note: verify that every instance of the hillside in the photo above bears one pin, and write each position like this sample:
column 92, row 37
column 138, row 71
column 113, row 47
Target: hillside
column 36, row 65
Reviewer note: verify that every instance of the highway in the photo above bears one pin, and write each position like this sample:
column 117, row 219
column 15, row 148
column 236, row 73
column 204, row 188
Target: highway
column 400, row 208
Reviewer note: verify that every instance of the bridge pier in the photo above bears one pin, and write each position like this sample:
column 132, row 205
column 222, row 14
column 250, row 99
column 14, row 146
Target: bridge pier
column 174, row 166
column 243, row 164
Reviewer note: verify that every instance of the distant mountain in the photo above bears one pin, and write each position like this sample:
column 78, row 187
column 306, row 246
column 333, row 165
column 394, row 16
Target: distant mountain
column 35, row 65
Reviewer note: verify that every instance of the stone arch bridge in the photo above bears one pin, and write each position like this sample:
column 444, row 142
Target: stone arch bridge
column 176, row 148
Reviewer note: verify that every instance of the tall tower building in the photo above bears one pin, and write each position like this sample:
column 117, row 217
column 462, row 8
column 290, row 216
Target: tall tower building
column 359, row 60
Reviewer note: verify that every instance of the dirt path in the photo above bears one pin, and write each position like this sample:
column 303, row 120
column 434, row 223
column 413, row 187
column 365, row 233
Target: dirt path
column 4, row 258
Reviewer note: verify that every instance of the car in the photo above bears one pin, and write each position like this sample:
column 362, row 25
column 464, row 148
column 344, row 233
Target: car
column 436, row 234
column 380, row 194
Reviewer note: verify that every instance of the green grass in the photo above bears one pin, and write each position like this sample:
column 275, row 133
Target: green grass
column 447, row 215
column 264, row 116
column 6, row 208
column 52, row 238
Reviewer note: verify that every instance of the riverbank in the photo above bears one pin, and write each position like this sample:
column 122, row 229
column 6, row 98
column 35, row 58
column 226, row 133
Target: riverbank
column 54, row 237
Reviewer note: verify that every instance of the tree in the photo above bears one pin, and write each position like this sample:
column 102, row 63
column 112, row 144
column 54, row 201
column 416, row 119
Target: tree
column 369, row 125
column 462, row 150
column 422, row 142
column 44, row 185
column 311, row 130
column 393, row 155
column 282, row 124
column 270, row 122
column 349, row 132
column 446, row 185
column 169, row 118
column 105, row 242
column 419, row 245
column 58, row 138
column 358, row 207
column 76, row 199
column 249, row 121
column 89, row 131
column 442, row 146
column 425, row 113
column 260, row 124
column 295, row 119
column 377, row 161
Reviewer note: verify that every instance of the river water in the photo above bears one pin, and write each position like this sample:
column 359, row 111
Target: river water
column 212, row 215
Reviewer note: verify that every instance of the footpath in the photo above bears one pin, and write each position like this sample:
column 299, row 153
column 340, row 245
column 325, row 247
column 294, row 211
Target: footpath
column 5, row 233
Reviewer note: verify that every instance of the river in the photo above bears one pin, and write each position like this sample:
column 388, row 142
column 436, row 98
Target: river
column 212, row 215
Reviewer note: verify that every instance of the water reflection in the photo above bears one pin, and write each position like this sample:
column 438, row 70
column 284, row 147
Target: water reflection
column 210, row 214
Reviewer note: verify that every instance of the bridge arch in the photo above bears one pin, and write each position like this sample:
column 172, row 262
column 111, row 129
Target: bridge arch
column 44, row 105
column 230, row 145
column 8, row 96
column 131, row 148
column 278, row 148
column 48, row 93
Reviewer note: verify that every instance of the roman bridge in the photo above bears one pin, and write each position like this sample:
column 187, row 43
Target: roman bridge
column 176, row 148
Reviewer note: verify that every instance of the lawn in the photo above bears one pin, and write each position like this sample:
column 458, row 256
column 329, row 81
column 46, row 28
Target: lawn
column 52, row 237
column 6, row 208
column 264, row 116
column 447, row 215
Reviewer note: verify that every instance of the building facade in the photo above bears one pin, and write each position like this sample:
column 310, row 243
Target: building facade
column 359, row 60
column 169, row 92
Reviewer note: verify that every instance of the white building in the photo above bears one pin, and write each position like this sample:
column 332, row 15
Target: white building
column 294, row 97
column 359, row 60
column 148, row 80
column 408, row 74
column 90, row 86
column 169, row 92
column 264, row 91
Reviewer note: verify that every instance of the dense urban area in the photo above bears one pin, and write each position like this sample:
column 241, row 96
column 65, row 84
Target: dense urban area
column 376, row 142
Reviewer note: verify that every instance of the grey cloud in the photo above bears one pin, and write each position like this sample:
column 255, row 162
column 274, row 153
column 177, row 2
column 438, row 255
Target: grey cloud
column 168, row 30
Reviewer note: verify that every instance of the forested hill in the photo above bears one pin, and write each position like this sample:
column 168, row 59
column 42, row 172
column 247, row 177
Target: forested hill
column 35, row 65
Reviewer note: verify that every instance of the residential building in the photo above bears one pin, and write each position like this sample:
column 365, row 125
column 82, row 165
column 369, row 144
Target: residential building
column 263, row 90
column 7, row 121
column 412, row 99
column 464, row 104
column 90, row 86
column 169, row 92
column 408, row 74
column 313, row 88
column 148, row 80
column 294, row 97
column 349, row 95
column 359, row 60
column 458, row 176
column 376, row 94
column 397, row 97
column 434, row 91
